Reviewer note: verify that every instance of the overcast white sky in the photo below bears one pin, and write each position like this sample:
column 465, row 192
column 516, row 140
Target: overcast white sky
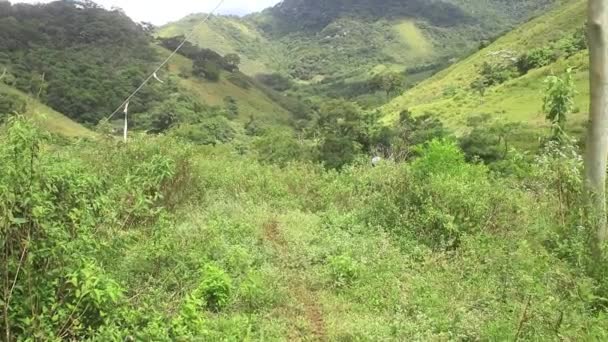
column 162, row 11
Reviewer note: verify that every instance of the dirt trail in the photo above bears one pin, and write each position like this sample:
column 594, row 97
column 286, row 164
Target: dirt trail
column 299, row 289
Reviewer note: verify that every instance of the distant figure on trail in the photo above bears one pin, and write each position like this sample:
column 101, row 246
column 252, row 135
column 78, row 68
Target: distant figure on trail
column 376, row 161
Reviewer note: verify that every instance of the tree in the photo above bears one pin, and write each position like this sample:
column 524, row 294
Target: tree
column 391, row 82
column 413, row 131
column 487, row 141
column 206, row 69
column 480, row 85
column 208, row 131
column 535, row 58
column 231, row 107
column 275, row 81
column 559, row 101
column 233, row 60
column 596, row 158
column 340, row 127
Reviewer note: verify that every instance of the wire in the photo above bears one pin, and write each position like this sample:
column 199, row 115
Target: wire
column 186, row 38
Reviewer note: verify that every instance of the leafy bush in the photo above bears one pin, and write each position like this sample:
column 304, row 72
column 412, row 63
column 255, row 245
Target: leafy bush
column 47, row 213
column 434, row 201
column 344, row 270
column 337, row 152
column 558, row 103
column 535, row 58
column 239, row 80
column 215, row 289
column 257, row 292
column 413, row 131
column 206, row 69
column 210, row 131
column 578, row 41
column 231, row 107
column 280, row 147
column 482, row 144
column 496, row 73
column 275, row 81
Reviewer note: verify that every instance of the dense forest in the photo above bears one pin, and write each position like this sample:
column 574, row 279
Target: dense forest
column 75, row 56
column 402, row 203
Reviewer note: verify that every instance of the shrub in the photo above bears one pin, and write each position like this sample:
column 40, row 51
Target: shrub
column 535, row 58
column 279, row 147
column 239, row 80
column 210, row 131
column 48, row 210
column 336, row 151
column 275, row 81
column 448, row 197
column 215, row 289
column 482, row 144
column 492, row 74
column 574, row 43
column 231, row 107
column 207, row 69
column 344, row 270
column 257, row 292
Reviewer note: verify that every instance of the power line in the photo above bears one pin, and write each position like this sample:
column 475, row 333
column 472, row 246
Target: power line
column 186, row 38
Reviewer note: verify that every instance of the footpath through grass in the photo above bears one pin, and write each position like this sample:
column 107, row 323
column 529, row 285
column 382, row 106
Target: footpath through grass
column 160, row 240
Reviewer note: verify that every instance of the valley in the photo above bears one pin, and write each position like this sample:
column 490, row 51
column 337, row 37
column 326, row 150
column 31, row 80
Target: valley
column 348, row 170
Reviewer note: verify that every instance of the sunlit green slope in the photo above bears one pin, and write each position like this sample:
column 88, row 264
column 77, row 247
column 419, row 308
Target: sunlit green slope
column 228, row 35
column 252, row 100
column 449, row 95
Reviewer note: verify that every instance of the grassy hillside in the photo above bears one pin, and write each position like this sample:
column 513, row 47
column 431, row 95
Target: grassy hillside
column 229, row 35
column 47, row 118
column 449, row 95
column 251, row 99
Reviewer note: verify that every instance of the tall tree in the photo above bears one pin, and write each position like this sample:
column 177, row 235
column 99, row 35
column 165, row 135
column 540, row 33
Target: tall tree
column 596, row 158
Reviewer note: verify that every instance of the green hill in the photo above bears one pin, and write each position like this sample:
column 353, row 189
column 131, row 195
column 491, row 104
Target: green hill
column 227, row 34
column 313, row 40
column 251, row 98
column 449, row 94
column 82, row 60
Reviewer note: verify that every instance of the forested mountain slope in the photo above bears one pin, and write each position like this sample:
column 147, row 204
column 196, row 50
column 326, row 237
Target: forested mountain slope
column 320, row 39
column 13, row 100
column 83, row 61
column 80, row 59
column 506, row 78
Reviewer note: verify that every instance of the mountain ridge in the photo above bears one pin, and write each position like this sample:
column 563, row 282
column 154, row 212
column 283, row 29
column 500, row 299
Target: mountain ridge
column 342, row 40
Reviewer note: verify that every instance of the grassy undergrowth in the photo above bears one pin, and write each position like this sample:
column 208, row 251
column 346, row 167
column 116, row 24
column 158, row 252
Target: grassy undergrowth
column 159, row 240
